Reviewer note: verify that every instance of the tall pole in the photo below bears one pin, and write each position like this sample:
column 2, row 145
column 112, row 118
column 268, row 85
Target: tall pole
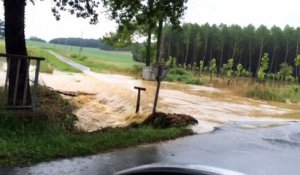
column 157, row 89
column 80, row 48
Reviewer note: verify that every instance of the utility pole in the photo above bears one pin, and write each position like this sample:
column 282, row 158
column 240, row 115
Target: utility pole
column 80, row 48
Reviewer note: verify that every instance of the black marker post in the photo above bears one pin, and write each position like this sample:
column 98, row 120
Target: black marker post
column 138, row 97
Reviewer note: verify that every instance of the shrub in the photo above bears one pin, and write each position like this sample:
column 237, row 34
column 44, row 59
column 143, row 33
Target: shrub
column 182, row 75
column 291, row 93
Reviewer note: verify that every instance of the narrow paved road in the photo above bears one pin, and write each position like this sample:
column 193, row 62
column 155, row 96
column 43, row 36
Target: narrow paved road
column 262, row 151
column 70, row 62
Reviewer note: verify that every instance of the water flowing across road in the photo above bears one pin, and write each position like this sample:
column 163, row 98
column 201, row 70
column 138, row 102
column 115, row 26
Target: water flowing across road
column 252, row 136
column 114, row 101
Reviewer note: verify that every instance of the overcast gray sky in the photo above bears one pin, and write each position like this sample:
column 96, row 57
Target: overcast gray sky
column 41, row 23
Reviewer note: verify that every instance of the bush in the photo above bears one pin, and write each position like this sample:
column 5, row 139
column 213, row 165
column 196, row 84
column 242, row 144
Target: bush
column 291, row 93
column 182, row 75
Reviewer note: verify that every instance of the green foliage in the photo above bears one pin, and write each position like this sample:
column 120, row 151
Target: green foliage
column 285, row 72
column 228, row 68
column 261, row 74
column 213, row 66
column 291, row 93
column 297, row 61
column 201, row 66
column 239, row 70
column 182, row 75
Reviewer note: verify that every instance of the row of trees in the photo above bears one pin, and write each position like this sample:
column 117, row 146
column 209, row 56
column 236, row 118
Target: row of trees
column 230, row 68
column 245, row 45
column 93, row 43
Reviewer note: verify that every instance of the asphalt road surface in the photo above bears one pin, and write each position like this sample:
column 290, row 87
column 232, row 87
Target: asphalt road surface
column 257, row 148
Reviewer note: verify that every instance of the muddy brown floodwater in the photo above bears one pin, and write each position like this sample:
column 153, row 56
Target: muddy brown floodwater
column 114, row 98
column 113, row 104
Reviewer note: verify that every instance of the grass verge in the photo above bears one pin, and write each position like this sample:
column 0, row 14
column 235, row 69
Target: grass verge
column 32, row 139
column 287, row 93
column 182, row 75
column 51, row 62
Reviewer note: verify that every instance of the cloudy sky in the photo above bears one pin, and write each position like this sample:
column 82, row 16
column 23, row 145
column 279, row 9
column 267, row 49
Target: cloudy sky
column 41, row 23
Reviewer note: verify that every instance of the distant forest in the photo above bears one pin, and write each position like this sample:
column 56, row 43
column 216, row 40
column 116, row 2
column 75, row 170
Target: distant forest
column 81, row 42
column 245, row 45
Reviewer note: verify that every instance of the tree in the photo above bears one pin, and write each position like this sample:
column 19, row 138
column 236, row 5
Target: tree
column 239, row 69
column 288, row 33
column 261, row 74
column 297, row 64
column 262, row 35
column 14, row 12
column 201, row 66
column 145, row 17
column 249, row 32
column 285, row 72
column 186, row 34
column 276, row 37
column 212, row 67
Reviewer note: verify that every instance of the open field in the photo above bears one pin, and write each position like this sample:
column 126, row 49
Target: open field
column 98, row 60
column 49, row 64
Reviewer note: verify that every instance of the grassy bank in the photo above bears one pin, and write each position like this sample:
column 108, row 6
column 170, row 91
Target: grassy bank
column 289, row 93
column 50, row 63
column 183, row 76
column 104, row 61
column 50, row 134
column 98, row 60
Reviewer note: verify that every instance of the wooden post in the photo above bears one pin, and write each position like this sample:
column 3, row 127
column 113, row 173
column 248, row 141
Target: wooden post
column 138, row 97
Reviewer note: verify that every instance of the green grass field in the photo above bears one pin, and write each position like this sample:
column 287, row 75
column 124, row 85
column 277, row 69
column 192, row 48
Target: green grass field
column 98, row 60
column 50, row 63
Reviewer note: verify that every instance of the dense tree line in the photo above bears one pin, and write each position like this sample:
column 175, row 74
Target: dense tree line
column 245, row 45
column 34, row 38
column 81, row 42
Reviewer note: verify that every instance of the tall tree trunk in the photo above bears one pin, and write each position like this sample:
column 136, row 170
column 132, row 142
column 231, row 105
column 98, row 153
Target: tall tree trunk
column 210, row 52
column 286, row 51
column 205, row 50
column 297, row 48
column 177, row 51
column 148, row 51
column 195, row 51
column 250, row 56
column 15, row 44
column 234, row 50
column 272, row 60
column 169, row 47
column 159, row 38
column 221, row 57
column 260, row 55
column 149, row 34
column 187, row 51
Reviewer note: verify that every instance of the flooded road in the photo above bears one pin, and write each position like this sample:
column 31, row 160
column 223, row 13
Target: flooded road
column 114, row 101
column 254, row 137
column 260, row 151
